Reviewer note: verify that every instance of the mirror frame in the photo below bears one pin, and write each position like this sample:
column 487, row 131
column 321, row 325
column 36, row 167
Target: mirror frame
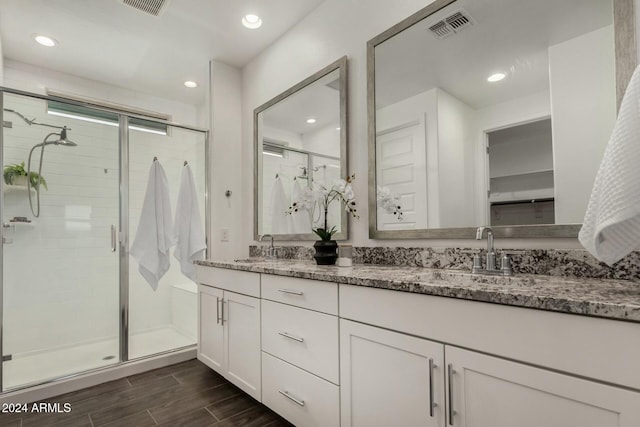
column 341, row 65
column 625, row 63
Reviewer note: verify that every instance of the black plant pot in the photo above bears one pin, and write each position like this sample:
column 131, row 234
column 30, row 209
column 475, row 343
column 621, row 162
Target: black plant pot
column 326, row 252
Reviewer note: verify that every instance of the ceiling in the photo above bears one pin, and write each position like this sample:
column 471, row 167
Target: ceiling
column 319, row 100
column 105, row 40
column 511, row 36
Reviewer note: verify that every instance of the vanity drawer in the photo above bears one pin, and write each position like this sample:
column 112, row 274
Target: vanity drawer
column 301, row 398
column 242, row 282
column 304, row 338
column 305, row 293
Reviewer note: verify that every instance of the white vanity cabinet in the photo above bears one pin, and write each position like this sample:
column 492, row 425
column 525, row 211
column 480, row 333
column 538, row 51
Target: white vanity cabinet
column 487, row 391
column 386, row 380
column 389, row 378
column 300, row 359
column 229, row 326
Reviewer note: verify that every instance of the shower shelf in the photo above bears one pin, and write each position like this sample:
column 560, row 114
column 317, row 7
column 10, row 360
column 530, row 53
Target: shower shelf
column 16, row 188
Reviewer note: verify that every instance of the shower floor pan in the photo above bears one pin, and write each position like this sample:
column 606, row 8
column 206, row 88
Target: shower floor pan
column 47, row 365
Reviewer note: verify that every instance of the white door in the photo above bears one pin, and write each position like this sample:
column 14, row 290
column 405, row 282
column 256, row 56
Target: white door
column 491, row 392
column 242, row 342
column 389, row 379
column 210, row 328
column 402, row 168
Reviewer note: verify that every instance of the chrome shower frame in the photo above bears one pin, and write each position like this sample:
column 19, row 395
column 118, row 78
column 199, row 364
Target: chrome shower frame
column 123, row 141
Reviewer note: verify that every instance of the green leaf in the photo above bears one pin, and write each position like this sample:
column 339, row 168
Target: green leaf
column 325, row 235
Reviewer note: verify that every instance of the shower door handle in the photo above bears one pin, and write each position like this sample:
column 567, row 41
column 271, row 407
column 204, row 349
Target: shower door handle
column 113, row 238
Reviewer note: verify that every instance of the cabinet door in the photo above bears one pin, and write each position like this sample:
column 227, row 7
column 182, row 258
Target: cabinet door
column 210, row 328
column 242, row 342
column 389, row 379
column 486, row 391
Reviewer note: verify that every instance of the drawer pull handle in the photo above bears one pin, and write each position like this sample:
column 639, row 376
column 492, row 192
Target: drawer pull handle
column 450, row 372
column 291, row 337
column 288, row 396
column 289, row 291
column 432, row 403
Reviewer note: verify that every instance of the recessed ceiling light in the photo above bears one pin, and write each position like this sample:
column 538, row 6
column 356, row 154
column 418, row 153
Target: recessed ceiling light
column 45, row 41
column 496, row 77
column 251, row 21
column 311, row 121
column 338, row 128
column 189, row 83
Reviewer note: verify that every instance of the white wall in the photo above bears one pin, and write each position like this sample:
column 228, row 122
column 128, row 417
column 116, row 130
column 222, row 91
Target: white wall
column 228, row 166
column 583, row 102
column 334, row 29
column 456, row 162
column 1, row 64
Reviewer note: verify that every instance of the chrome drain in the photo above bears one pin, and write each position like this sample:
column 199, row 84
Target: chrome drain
column 108, row 357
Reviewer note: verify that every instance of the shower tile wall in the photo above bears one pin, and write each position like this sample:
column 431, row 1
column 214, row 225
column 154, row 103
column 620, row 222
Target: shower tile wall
column 60, row 270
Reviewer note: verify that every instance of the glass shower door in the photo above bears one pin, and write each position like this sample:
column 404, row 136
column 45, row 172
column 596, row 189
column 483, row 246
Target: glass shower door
column 60, row 278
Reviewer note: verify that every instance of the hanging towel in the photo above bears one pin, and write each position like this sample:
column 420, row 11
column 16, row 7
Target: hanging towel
column 280, row 219
column 190, row 240
column 611, row 227
column 155, row 233
column 300, row 220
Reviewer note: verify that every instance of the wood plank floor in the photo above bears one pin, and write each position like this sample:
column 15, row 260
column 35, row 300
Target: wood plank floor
column 187, row 394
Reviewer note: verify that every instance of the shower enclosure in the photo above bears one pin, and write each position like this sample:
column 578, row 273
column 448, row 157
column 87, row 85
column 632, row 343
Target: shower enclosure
column 72, row 299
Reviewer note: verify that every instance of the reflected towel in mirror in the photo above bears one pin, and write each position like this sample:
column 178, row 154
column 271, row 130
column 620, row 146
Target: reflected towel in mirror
column 300, row 220
column 280, row 221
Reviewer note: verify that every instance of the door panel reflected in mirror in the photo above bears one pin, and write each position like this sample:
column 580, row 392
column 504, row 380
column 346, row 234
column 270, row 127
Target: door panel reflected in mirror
column 491, row 112
column 300, row 140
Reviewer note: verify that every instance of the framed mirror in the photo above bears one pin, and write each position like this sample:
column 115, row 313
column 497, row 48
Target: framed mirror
column 493, row 112
column 300, row 140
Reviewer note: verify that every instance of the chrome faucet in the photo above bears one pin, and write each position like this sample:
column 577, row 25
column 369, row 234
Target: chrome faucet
column 490, row 263
column 271, row 250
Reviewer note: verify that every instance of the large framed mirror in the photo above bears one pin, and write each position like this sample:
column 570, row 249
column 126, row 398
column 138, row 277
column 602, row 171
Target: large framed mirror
column 300, row 140
column 493, row 112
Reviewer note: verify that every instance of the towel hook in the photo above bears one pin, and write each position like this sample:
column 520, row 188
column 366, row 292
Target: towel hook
column 155, row 159
column 185, row 163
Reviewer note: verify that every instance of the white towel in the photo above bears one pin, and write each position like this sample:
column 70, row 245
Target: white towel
column 280, row 219
column 190, row 239
column 611, row 227
column 301, row 221
column 155, row 233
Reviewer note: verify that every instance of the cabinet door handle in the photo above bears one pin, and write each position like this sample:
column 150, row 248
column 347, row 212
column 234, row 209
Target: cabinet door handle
column 288, row 396
column 291, row 337
column 222, row 314
column 218, row 310
column 432, row 403
column 113, row 238
column 292, row 292
column 450, row 373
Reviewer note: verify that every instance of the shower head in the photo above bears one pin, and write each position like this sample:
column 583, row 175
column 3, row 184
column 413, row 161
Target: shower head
column 64, row 140
column 61, row 140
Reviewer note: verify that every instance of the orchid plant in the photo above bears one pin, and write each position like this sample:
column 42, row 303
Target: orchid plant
column 389, row 202
column 322, row 197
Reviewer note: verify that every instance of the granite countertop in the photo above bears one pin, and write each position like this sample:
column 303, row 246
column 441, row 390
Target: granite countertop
column 613, row 299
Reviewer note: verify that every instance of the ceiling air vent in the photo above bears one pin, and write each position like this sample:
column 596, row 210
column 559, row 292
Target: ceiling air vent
column 451, row 24
column 151, row 7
